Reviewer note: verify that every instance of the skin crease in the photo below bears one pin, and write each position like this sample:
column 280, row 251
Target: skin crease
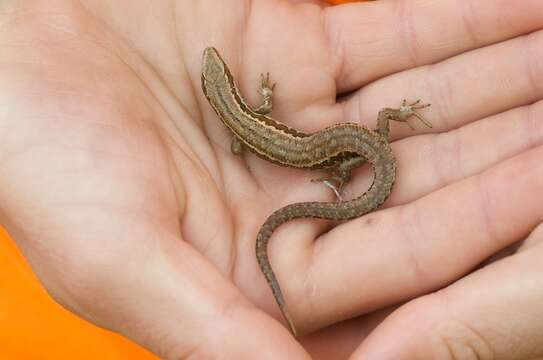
column 117, row 181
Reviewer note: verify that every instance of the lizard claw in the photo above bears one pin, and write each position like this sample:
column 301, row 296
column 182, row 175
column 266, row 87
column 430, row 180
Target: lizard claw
column 407, row 110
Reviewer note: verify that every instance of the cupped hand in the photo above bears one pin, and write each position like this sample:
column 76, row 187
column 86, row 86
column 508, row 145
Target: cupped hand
column 118, row 184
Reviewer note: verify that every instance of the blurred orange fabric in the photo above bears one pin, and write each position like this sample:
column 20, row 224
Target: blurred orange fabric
column 35, row 327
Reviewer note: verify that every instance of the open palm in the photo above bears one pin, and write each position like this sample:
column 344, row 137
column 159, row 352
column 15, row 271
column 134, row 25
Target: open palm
column 118, row 184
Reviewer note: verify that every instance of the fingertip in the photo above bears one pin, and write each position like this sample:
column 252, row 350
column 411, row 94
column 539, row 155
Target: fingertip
column 248, row 333
column 411, row 332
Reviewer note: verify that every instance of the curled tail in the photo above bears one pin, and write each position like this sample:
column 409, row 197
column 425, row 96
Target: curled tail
column 274, row 221
column 384, row 168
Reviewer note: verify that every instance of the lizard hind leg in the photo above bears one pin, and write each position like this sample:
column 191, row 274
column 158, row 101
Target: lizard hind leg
column 407, row 110
column 401, row 114
column 334, row 183
column 340, row 175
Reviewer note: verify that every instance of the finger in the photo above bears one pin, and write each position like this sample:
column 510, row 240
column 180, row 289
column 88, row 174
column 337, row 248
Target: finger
column 191, row 311
column 340, row 340
column 493, row 313
column 427, row 163
column 159, row 291
column 373, row 40
column 462, row 89
column 430, row 162
column 386, row 257
column 174, row 303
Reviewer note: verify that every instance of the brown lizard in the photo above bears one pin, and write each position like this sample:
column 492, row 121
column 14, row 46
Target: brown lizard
column 338, row 149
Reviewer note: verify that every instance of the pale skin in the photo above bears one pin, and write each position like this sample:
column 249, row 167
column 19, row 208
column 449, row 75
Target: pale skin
column 118, row 184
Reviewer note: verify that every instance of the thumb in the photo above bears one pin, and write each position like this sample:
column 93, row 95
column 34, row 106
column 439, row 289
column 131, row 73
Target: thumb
column 494, row 313
column 182, row 307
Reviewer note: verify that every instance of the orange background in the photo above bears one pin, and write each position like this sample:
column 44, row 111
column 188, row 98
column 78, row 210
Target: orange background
column 35, row 327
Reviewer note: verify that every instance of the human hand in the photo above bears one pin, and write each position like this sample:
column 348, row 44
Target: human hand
column 109, row 184
column 465, row 213
column 137, row 202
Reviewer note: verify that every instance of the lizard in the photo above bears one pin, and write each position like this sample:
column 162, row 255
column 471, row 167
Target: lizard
column 338, row 149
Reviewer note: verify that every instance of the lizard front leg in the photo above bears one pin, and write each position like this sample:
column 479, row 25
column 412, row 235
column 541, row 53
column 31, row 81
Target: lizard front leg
column 266, row 92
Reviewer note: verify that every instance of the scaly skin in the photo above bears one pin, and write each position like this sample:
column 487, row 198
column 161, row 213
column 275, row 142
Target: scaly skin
column 339, row 148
